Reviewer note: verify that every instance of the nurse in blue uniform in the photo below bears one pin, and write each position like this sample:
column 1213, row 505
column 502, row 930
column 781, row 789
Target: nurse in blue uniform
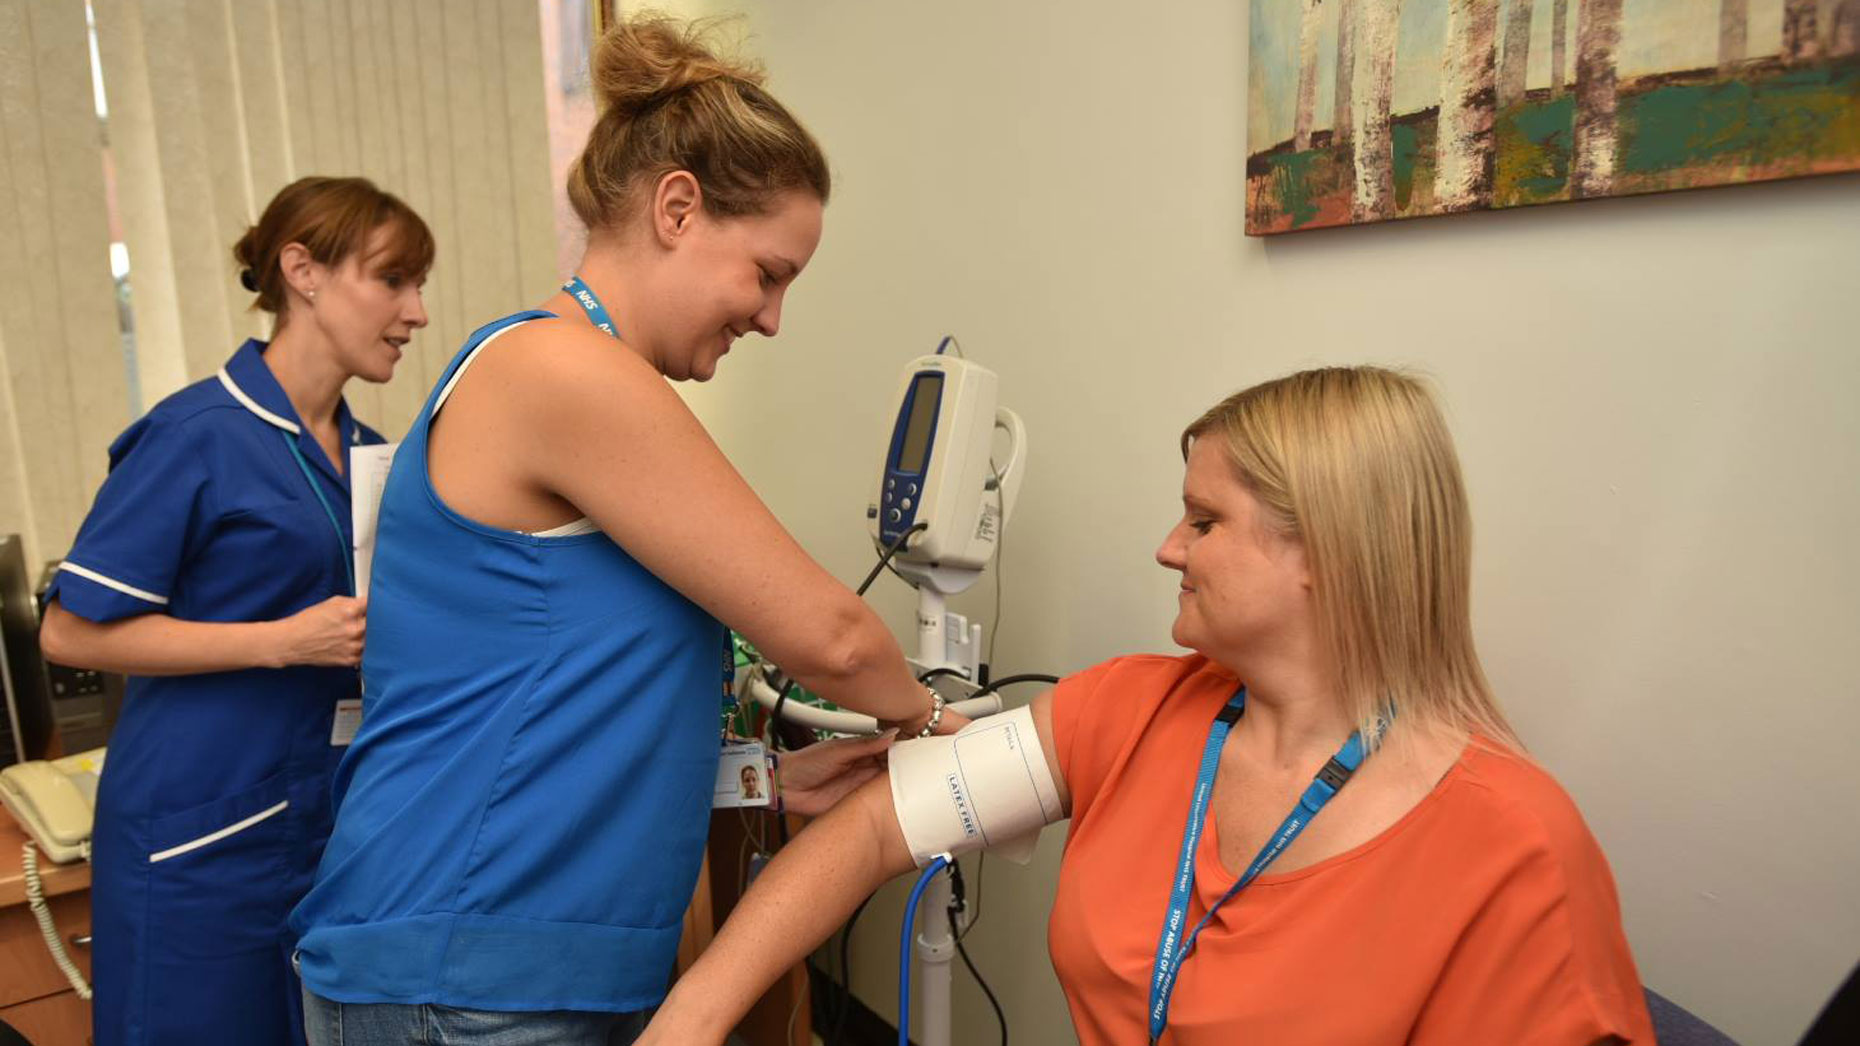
column 214, row 569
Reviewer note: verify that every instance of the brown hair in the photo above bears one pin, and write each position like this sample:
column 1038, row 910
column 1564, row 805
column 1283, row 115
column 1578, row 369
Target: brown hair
column 1356, row 464
column 670, row 103
column 332, row 218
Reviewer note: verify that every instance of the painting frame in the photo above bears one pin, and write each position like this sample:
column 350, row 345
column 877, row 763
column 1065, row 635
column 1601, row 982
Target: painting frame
column 1366, row 111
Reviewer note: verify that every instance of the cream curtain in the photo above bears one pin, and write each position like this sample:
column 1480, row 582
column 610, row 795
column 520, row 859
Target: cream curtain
column 213, row 106
column 62, row 390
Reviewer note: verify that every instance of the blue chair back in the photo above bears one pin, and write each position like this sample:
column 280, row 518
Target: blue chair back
column 1673, row 1025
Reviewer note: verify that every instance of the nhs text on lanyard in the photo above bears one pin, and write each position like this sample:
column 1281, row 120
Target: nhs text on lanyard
column 1171, row 949
column 597, row 313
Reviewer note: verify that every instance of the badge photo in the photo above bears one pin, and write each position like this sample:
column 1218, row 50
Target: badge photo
column 742, row 776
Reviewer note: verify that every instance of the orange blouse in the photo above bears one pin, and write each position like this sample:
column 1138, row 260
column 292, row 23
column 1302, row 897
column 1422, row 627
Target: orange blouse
column 1486, row 915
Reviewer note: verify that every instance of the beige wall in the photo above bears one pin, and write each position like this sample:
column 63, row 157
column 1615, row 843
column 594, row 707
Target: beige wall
column 1657, row 402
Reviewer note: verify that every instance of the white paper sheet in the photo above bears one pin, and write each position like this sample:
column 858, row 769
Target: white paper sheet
column 368, row 473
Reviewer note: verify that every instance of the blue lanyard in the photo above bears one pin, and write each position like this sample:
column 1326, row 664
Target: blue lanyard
column 729, row 667
column 728, row 718
column 316, row 488
column 1169, row 957
column 597, row 313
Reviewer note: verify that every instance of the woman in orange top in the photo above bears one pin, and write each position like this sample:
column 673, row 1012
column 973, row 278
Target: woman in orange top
column 1449, row 893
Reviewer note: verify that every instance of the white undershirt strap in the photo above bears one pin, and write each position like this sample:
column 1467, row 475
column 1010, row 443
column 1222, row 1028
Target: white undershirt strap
column 584, row 525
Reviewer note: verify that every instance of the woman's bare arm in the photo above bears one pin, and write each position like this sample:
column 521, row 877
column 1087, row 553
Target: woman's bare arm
column 806, row 893
column 329, row 633
column 611, row 437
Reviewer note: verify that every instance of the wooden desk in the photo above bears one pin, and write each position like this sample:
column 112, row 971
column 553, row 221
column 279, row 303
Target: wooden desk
column 35, row 997
column 784, row 1014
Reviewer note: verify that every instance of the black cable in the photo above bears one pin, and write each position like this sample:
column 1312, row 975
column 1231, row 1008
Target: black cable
column 994, row 630
column 846, row 995
column 966, row 961
column 981, row 863
column 957, row 931
column 1024, row 677
column 884, row 560
column 893, row 567
column 775, row 714
column 958, row 894
column 938, row 673
column 888, row 565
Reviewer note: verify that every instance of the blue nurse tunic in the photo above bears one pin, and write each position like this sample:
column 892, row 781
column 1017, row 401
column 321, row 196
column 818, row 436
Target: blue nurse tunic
column 214, row 804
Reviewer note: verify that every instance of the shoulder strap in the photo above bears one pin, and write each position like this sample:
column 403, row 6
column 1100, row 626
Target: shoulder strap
column 473, row 345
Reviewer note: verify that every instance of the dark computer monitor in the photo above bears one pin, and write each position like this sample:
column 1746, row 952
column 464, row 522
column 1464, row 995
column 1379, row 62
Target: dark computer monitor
column 28, row 723
column 1839, row 1022
column 85, row 701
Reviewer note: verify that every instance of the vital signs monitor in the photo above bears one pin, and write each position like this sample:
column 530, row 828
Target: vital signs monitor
column 938, row 470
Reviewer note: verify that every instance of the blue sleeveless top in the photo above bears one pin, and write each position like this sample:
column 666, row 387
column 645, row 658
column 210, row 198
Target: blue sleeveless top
column 522, row 815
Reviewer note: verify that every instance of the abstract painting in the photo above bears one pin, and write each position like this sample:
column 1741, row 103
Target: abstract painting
column 1367, row 110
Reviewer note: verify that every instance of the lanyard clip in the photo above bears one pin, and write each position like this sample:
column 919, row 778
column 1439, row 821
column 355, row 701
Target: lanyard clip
column 1328, row 782
column 1335, row 774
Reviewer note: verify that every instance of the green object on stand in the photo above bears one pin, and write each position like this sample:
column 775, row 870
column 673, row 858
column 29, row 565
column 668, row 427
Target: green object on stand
column 738, row 717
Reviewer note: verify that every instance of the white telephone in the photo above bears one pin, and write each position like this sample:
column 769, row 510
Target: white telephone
column 53, row 800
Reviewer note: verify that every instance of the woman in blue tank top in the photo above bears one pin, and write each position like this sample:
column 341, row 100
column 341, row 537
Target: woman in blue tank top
column 522, row 815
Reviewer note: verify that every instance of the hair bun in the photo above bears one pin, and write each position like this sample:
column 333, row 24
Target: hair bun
column 248, row 279
column 642, row 61
column 668, row 103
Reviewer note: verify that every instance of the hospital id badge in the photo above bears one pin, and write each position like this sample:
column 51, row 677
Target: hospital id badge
column 742, row 776
column 348, row 720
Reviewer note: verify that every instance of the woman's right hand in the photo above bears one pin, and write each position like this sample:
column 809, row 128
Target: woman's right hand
column 328, row 633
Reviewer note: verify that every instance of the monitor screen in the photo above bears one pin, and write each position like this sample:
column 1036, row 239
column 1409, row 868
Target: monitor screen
column 926, row 393
column 28, row 722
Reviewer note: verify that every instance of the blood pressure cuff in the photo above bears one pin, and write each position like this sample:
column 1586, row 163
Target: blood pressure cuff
column 986, row 787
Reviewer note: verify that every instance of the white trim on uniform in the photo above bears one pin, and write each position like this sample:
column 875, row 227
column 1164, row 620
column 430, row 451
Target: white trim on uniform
column 252, row 405
column 214, row 837
column 110, row 582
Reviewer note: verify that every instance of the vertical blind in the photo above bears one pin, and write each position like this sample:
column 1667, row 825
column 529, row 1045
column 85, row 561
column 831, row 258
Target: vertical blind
column 214, row 105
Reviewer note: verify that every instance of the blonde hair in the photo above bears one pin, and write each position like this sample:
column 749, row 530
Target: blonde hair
column 1356, row 464
column 670, row 103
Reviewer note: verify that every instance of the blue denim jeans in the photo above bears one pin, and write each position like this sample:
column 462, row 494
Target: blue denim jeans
column 328, row 1023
